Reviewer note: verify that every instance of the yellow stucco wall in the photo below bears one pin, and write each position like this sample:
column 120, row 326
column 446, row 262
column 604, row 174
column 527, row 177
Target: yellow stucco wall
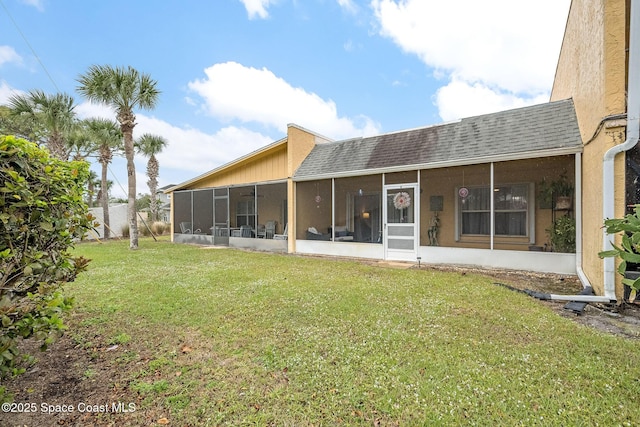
column 592, row 70
column 301, row 142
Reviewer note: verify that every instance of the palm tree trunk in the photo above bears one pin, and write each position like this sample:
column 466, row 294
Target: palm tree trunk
column 90, row 189
column 56, row 146
column 127, row 122
column 105, row 202
column 152, row 172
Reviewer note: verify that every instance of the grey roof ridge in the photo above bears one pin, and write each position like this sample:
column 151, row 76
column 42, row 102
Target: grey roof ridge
column 446, row 123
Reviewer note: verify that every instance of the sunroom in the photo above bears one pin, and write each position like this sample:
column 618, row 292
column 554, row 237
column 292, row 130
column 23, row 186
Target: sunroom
column 479, row 191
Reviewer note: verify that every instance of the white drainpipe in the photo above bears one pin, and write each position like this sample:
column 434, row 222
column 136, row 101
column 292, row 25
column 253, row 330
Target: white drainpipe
column 608, row 184
column 633, row 133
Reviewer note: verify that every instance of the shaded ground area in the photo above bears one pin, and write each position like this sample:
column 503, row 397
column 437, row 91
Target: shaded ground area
column 65, row 377
column 91, row 378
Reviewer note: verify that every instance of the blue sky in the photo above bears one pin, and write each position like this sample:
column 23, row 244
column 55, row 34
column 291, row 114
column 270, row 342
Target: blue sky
column 234, row 73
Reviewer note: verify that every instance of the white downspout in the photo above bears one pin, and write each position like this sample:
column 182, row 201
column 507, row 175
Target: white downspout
column 578, row 203
column 633, row 133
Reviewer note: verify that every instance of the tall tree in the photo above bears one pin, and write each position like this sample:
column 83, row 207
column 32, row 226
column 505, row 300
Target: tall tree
column 149, row 145
column 123, row 89
column 92, row 182
column 51, row 115
column 107, row 138
column 107, row 190
column 79, row 141
column 11, row 124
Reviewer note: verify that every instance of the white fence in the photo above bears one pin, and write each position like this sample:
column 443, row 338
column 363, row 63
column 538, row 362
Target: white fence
column 117, row 221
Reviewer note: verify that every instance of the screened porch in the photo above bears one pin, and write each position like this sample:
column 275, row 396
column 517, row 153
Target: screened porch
column 249, row 216
column 494, row 214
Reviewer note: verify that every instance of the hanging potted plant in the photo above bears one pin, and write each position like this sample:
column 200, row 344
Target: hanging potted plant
column 557, row 194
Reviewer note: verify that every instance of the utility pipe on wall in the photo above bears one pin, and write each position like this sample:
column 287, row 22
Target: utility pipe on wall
column 633, row 134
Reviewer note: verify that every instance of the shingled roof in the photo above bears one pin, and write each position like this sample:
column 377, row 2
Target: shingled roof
column 536, row 131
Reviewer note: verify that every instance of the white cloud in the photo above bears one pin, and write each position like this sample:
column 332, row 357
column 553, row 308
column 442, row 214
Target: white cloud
column 8, row 55
column 38, row 4
column 197, row 152
column 189, row 151
column 86, row 110
column 351, row 46
column 7, row 91
column 461, row 99
column 506, row 48
column 348, row 5
column 232, row 91
column 257, row 8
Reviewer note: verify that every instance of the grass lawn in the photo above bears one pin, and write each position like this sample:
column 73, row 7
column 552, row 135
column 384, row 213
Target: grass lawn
column 228, row 337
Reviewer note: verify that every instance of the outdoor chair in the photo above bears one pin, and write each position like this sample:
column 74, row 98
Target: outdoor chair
column 270, row 229
column 245, row 231
column 282, row 236
column 185, row 228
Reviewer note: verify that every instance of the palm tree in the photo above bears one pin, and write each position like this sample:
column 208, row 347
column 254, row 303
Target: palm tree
column 11, row 124
column 91, row 187
column 123, row 89
column 149, row 145
column 107, row 190
column 107, row 138
column 53, row 115
column 79, row 141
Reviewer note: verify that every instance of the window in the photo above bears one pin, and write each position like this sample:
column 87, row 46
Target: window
column 511, row 205
column 245, row 213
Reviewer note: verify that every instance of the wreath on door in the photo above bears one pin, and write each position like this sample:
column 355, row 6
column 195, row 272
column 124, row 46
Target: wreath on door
column 402, row 200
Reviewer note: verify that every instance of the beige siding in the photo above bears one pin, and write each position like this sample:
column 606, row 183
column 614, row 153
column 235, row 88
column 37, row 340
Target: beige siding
column 268, row 167
column 592, row 70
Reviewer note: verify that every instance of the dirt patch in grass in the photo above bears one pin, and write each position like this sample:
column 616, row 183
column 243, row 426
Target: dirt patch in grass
column 93, row 380
column 64, row 386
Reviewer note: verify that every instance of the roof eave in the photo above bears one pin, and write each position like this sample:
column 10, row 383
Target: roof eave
column 229, row 165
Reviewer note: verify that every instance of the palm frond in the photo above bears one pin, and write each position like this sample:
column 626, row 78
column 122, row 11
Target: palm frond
column 150, row 145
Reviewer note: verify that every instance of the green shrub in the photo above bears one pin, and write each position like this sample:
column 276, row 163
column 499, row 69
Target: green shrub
column 629, row 250
column 42, row 214
column 562, row 234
